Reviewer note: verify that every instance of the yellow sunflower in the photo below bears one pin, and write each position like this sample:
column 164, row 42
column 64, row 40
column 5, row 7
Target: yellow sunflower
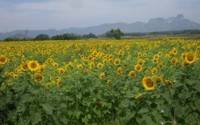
column 190, row 57
column 168, row 82
column 102, row 75
column 132, row 73
column 109, row 82
column 148, row 83
column 139, row 96
column 3, row 59
column 138, row 67
column 33, row 65
column 117, row 61
column 61, row 70
column 91, row 65
column 38, row 78
column 154, row 71
column 100, row 65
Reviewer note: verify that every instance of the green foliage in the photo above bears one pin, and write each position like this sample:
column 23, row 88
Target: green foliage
column 42, row 37
column 66, row 36
column 115, row 33
column 90, row 35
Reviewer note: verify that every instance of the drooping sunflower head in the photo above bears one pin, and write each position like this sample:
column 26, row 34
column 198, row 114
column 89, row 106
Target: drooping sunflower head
column 33, row 65
column 174, row 51
column 62, row 70
column 168, row 83
column 91, row 65
column 38, row 78
column 119, row 71
column 80, row 66
column 139, row 96
column 3, row 59
column 185, row 63
column 148, row 83
column 117, row 61
column 138, row 68
column 190, row 57
column 102, row 75
column 109, row 82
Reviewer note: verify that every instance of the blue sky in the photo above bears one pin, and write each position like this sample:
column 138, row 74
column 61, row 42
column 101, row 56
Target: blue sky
column 59, row 14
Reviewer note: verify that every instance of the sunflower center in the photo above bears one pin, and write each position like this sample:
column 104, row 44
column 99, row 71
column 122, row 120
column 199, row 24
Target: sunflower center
column 2, row 59
column 149, row 83
column 33, row 65
column 190, row 58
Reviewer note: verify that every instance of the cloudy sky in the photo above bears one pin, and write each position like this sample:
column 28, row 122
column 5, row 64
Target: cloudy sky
column 59, row 14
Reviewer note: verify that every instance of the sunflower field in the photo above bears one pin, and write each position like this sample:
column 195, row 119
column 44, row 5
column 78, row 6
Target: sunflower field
column 100, row 82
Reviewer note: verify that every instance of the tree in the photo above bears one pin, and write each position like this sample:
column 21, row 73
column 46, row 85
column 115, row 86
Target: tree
column 115, row 33
column 42, row 37
column 90, row 35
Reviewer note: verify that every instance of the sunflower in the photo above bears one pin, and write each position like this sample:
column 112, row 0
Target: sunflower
column 148, row 83
column 59, row 81
column 174, row 61
column 185, row 63
column 55, row 65
column 102, row 75
column 138, row 67
column 159, row 54
column 100, row 65
column 140, row 61
column 3, row 59
column 168, row 82
column 174, row 51
column 139, row 96
column 183, row 55
column 160, row 65
column 33, row 65
column 91, row 65
column 117, row 61
column 109, row 82
column 104, row 61
column 48, row 85
column 41, row 68
column 190, row 57
column 154, row 71
column 119, row 71
column 158, row 79
column 38, row 78
column 80, row 66
column 132, row 73
column 61, row 70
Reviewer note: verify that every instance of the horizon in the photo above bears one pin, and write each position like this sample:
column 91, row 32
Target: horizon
column 62, row 14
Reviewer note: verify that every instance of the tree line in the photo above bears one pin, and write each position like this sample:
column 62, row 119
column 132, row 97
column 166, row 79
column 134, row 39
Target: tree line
column 113, row 33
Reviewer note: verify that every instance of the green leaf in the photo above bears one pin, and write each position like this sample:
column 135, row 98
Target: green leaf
column 197, row 104
column 124, row 103
column 190, row 82
column 21, row 108
column 143, row 110
column 36, row 118
column 47, row 108
column 180, row 111
column 192, row 119
column 89, row 116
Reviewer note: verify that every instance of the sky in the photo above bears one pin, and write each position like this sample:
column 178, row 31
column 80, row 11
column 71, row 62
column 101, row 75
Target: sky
column 60, row 14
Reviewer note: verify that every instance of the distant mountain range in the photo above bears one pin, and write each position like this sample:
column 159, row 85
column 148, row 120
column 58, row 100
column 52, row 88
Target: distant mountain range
column 154, row 24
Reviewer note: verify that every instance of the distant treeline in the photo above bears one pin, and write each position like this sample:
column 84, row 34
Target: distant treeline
column 71, row 36
column 66, row 36
column 181, row 32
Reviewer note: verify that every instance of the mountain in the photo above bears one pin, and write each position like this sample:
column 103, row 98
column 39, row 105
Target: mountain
column 155, row 24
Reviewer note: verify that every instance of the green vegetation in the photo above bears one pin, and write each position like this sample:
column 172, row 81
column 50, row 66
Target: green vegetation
column 114, row 33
